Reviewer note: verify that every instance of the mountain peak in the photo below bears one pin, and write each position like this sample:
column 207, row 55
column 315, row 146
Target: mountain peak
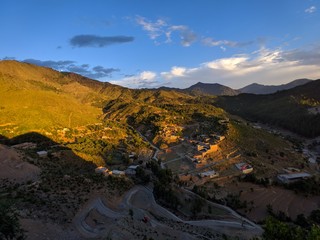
column 212, row 89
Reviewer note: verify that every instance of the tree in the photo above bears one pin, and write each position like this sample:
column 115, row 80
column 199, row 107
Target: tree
column 315, row 216
column 9, row 223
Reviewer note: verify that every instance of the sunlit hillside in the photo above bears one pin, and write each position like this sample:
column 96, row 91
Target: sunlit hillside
column 38, row 98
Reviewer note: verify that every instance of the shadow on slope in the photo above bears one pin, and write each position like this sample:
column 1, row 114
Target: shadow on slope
column 289, row 109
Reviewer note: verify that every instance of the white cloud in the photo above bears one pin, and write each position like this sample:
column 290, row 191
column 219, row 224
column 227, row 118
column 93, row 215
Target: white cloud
column 161, row 31
column 263, row 66
column 160, row 28
column 311, row 9
column 178, row 71
column 143, row 80
column 214, row 43
column 210, row 42
column 187, row 36
column 154, row 29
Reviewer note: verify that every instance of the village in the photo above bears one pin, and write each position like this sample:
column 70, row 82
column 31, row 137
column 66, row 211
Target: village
column 199, row 158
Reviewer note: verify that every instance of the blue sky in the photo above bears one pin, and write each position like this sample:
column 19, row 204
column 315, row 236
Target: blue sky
column 175, row 43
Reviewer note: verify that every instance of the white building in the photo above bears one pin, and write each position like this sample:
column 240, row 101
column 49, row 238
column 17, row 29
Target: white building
column 100, row 169
column 42, row 154
column 210, row 174
column 292, row 177
column 118, row 173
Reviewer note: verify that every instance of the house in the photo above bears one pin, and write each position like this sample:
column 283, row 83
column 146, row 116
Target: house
column 212, row 148
column 131, row 170
column 292, row 177
column 219, row 138
column 210, row 174
column 244, row 167
column 42, row 154
column 118, row 173
column 100, row 169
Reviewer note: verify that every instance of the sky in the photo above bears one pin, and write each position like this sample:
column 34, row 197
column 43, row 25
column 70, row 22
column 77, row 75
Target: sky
column 173, row 43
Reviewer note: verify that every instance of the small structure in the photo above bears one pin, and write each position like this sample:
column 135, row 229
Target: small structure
column 289, row 178
column 118, row 173
column 244, row 167
column 132, row 170
column 210, row 174
column 42, row 154
column 100, row 169
column 219, row 137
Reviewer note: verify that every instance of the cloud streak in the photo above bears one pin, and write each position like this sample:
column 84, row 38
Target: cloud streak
column 311, row 9
column 98, row 41
column 160, row 31
column 210, row 42
column 97, row 72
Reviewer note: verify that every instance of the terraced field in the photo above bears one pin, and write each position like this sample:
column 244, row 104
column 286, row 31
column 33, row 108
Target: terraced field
column 280, row 199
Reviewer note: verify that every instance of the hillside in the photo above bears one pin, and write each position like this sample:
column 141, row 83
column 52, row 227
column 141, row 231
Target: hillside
column 211, row 89
column 256, row 88
column 38, row 98
column 294, row 109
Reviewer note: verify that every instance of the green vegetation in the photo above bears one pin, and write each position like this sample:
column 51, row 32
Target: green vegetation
column 9, row 223
column 275, row 229
column 163, row 185
column 287, row 109
column 310, row 186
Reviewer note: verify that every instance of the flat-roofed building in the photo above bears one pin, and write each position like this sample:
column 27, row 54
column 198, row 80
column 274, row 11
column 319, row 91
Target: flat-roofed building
column 292, row 177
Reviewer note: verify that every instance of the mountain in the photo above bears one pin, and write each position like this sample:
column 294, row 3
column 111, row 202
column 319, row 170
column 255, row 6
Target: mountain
column 33, row 97
column 290, row 109
column 211, row 89
column 256, row 88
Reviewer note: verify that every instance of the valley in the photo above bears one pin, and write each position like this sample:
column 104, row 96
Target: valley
column 87, row 159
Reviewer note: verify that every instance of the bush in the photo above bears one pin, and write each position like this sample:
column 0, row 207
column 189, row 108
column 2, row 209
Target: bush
column 9, row 223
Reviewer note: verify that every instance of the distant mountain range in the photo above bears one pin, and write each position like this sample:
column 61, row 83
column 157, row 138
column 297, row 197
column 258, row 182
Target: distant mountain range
column 221, row 90
column 288, row 109
column 256, row 88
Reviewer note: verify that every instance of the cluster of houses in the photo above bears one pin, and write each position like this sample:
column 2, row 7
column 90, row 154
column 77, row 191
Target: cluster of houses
column 203, row 146
column 172, row 132
column 130, row 171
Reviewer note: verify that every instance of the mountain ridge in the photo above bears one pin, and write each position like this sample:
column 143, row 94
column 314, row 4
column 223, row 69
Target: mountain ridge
column 289, row 109
column 257, row 88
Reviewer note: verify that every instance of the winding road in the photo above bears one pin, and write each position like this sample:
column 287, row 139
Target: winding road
column 141, row 200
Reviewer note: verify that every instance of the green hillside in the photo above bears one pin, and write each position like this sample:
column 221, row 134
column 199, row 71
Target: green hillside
column 290, row 109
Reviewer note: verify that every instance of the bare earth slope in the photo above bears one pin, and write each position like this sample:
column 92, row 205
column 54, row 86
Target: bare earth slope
column 14, row 168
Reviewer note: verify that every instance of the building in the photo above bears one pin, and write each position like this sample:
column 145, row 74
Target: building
column 244, row 167
column 100, row 170
column 210, row 174
column 131, row 170
column 118, row 173
column 42, row 154
column 292, row 177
